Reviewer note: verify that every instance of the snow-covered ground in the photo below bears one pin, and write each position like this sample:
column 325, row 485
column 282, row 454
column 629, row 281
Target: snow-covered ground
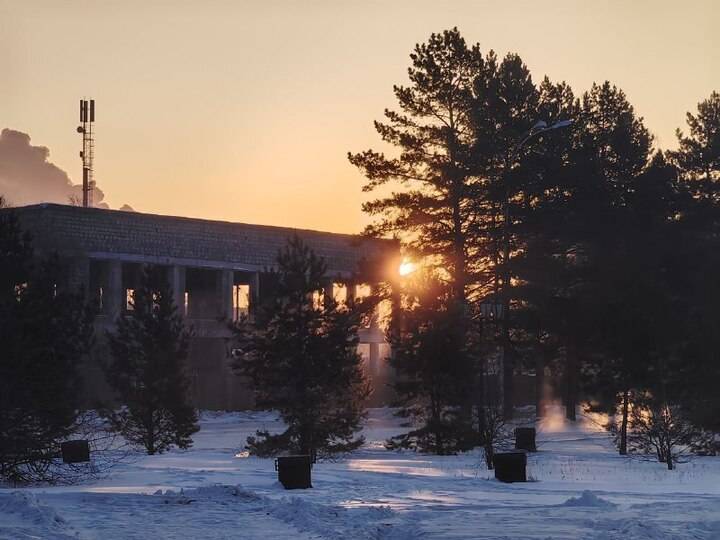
column 581, row 489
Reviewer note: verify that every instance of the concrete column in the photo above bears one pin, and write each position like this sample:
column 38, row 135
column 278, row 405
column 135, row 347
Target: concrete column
column 114, row 296
column 254, row 291
column 77, row 275
column 374, row 360
column 176, row 278
column 374, row 319
column 350, row 289
column 328, row 290
column 225, row 300
column 396, row 307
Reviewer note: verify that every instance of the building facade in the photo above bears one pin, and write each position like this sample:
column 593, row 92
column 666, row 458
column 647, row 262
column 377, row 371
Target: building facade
column 218, row 271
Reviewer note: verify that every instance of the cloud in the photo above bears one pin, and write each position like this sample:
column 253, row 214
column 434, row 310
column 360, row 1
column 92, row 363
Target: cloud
column 27, row 177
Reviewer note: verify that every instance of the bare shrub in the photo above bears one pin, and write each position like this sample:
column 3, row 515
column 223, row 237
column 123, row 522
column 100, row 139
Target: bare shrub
column 495, row 433
column 662, row 430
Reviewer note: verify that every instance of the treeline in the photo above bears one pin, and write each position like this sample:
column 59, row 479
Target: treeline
column 554, row 238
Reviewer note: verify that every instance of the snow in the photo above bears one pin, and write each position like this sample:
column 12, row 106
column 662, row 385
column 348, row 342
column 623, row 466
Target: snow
column 588, row 498
column 579, row 488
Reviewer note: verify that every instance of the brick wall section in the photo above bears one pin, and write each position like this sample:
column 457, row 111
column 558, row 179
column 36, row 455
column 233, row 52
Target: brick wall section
column 74, row 230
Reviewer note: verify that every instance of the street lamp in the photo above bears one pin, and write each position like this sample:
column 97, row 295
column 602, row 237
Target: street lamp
column 540, row 127
column 504, row 313
column 491, row 308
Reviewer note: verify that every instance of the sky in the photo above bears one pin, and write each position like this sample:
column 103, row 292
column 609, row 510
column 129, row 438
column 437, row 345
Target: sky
column 245, row 111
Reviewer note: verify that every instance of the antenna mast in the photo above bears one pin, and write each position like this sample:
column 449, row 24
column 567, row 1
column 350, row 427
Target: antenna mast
column 87, row 118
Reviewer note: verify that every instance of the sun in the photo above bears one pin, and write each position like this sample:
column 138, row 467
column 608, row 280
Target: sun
column 407, row 267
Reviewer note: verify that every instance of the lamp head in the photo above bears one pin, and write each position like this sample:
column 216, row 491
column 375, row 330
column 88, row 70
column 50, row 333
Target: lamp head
column 561, row 124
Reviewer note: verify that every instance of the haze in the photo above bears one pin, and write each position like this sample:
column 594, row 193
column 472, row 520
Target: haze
column 245, row 111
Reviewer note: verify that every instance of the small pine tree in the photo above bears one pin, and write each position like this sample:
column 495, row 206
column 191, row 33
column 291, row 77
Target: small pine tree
column 303, row 362
column 44, row 332
column 149, row 349
column 431, row 362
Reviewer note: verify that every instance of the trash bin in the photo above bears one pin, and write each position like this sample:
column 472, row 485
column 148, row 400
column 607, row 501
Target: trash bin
column 510, row 466
column 75, row 451
column 525, row 439
column 294, row 471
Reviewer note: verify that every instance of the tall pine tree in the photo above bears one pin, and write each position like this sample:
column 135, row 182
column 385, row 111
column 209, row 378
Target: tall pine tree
column 586, row 224
column 432, row 209
column 698, row 162
column 45, row 330
column 505, row 103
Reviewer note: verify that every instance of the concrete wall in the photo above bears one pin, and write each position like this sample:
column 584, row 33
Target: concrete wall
column 204, row 298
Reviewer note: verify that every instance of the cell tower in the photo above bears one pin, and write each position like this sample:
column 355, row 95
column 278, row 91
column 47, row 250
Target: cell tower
column 87, row 118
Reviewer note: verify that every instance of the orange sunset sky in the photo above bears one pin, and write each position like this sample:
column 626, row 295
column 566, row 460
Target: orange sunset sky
column 245, row 111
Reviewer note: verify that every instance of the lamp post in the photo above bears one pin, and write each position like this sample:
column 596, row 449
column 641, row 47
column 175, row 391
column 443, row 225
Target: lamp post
column 507, row 363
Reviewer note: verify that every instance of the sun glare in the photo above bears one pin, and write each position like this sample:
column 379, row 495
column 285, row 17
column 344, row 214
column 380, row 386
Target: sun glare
column 406, row 268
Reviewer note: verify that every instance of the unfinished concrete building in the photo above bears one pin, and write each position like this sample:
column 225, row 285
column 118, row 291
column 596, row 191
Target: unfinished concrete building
column 218, row 271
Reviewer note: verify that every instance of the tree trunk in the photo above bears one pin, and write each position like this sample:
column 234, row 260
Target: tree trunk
column 571, row 367
column 436, row 419
column 624, row 423
column 508, row 368
column 489, row 455
column 508, row 360
column 480, row 403
column 539, row 385
column 305, row 440
column 150, row 435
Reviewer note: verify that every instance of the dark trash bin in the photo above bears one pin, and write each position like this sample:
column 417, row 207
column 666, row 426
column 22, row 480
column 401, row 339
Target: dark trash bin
column 525, row 439
column 75, row 451
column 294, row 471
column 510, row 466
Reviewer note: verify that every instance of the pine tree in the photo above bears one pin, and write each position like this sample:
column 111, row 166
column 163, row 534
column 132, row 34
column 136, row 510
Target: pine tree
column 451, row 191
column 698, row 163
column 638, row 307
column 652, row 248
column 432, row 211
column 503, row 109
column 301, row 357
column 45, row 330
column 699, row 372
column 147, row 369
column 698, row 155
column 579, row 223
column 426, row 383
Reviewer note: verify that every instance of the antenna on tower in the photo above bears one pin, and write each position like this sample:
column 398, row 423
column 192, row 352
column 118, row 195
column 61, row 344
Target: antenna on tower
column 87, row 118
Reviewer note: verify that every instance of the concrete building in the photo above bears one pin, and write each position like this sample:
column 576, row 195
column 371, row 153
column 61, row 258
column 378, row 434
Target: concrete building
column 218, row 270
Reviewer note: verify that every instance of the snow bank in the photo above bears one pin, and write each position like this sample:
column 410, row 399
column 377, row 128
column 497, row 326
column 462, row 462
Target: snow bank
column 331, row 522
column 23, row 516
column 588, row 499
column 635, row 529
column 335, row 522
